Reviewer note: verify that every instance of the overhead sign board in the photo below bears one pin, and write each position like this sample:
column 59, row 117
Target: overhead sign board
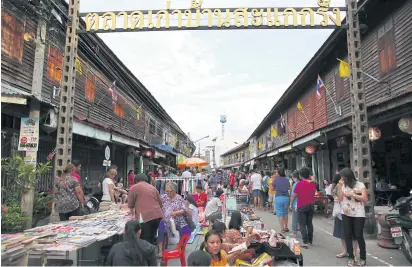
column 323, row 16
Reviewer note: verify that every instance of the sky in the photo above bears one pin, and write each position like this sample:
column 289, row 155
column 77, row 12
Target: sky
column 199, row 75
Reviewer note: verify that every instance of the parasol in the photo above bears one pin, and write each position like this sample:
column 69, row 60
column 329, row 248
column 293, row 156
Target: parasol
column 192, row 162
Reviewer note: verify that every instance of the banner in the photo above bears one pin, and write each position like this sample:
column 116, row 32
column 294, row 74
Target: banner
column 29, row 134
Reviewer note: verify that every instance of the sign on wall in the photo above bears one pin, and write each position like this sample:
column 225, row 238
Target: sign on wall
column 29, row 134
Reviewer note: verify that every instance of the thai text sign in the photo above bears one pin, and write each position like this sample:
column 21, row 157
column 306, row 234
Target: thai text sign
column 322, row 16
column 29, row 134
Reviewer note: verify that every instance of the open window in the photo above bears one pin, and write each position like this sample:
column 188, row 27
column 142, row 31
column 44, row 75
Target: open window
column 386, row 47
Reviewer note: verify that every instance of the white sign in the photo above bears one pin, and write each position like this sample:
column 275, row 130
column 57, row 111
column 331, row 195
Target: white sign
column 107, row 153
column 29, row 134
column 107, row 163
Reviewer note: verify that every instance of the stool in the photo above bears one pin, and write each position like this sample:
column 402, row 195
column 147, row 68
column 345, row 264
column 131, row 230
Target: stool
column 179, row 252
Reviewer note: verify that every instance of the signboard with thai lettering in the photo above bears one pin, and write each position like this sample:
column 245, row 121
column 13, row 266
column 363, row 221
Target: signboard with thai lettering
column 323, row 16
column 29, row 134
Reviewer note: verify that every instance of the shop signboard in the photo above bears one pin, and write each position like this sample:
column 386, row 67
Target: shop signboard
column 29, row 135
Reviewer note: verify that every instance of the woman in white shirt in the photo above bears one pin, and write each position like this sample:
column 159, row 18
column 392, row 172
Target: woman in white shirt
column 213, row 210
column 108, row 186
column 352, row 194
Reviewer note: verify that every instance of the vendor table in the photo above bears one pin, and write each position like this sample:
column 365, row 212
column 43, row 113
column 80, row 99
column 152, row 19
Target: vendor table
column 84, row 242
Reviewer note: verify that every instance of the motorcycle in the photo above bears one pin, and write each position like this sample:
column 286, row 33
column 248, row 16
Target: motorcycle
column 401, row 225
column 92, row 200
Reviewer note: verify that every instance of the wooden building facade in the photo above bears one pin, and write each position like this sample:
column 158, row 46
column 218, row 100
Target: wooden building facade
column 112, row 107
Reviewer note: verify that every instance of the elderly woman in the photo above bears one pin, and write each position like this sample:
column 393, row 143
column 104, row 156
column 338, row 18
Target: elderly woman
column 174, row 208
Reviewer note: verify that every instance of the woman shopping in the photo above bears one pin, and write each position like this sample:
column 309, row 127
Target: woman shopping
column 174, row 208
column 352, row 195
column 213, row 209
column 134, row 251
column 69, row 194
column 213, row 246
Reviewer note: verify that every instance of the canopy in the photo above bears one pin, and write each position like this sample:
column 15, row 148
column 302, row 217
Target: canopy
column 192, row 162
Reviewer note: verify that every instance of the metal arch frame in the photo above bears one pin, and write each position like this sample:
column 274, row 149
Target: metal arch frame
column 361, row 146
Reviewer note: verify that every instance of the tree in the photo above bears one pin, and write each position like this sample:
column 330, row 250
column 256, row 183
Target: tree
column 22, row 179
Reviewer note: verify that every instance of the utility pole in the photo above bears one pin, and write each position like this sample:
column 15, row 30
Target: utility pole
column 65, row 123
column 213, row 155
column 27, row 197
column 360, row 133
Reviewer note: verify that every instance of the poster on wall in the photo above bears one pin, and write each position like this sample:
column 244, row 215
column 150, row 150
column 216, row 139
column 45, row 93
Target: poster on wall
column 29, row 134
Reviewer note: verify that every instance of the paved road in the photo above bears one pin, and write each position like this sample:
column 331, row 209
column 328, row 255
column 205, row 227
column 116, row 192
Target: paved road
column 326, row 247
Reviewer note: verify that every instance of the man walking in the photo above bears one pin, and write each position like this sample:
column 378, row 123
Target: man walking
column 256, row 180
column 305, row 192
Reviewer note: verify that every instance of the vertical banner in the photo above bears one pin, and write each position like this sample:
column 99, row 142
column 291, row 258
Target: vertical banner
column 29, row 135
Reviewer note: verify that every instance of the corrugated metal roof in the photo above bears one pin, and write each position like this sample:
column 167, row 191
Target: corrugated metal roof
column 8, row 90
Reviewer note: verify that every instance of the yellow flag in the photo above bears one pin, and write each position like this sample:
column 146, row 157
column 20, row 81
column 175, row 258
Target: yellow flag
column 79, row 66
column 344, row 69
column 273, row 131
column 299, row 106
column 260, row 145
column 138, row 111
column 250, row 147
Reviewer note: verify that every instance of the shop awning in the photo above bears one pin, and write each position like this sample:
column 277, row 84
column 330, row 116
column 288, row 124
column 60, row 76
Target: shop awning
column 262, row 156
column 88, row 131
column 273, row 153
column 125, row 140
column 308, row 138
column 159, row 154
column 285, row 148
column 166, row 148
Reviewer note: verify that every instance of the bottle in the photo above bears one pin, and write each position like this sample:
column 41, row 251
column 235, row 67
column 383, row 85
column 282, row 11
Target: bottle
column 296, row 248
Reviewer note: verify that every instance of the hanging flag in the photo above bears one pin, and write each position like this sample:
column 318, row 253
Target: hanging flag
column 282, row 121
column 112, row 92
column 320, row 87
column 79, row 66
column 138, row 112
column 250, row 147
column 273, row 132
column 260, row 145
column 344, row 69
column 299, row 106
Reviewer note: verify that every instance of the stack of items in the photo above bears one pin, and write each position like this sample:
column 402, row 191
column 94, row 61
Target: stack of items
column 69, row 235
column 263, row 259
column 104, row 206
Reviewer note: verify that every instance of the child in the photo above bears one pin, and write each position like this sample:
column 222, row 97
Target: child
column 199, row 258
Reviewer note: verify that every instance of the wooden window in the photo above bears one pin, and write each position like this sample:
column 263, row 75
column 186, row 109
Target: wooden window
column 386, row 47
column 160, row 132
column 55, row 65
column 90, row 87
column 118, row 106
column 152, row 126
column 12, row 33
column 339, row 87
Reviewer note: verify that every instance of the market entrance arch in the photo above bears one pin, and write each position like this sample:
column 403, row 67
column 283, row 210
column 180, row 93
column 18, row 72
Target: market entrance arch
column 321, row 17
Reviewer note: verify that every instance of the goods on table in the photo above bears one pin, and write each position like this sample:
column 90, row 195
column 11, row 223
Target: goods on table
column 69, row 235
column 238, row 248
column 263, row 260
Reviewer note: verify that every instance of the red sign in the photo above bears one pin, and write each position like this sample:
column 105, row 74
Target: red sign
column 23, row 140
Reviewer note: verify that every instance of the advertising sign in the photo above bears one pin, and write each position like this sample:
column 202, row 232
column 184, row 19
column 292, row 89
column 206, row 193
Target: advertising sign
column 29, row 134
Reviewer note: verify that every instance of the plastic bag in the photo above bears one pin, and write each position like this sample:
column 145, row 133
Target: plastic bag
column 337, row 210
column 173, row 240
column 172, row 225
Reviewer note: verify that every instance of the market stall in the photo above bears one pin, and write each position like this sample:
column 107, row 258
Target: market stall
column 271, row 248
column 84, row 240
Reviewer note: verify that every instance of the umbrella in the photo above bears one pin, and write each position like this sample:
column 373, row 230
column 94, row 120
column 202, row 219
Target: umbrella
column 192, row 162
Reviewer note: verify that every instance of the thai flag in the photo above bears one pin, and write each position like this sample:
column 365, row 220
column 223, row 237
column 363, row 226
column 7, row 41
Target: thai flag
column 282, row 123
column 112, row 92
column 320, row 86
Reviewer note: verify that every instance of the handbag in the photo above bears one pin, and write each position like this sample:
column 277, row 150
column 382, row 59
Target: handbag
column 337, row 210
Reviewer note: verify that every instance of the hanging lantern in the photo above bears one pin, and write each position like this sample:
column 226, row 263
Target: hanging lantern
column 310, row 149
column 405, row 125
column 148, row 153
column 374, row 133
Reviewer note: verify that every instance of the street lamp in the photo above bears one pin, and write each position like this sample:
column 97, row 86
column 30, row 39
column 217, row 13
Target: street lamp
column 199, row 143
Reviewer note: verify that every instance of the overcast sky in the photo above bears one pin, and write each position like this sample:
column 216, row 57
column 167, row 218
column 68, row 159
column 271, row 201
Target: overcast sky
column 199, row 75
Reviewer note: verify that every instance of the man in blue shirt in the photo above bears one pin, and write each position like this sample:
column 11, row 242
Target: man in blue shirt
column 213, row 182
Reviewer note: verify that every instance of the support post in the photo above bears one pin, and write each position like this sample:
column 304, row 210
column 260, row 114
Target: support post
column 27, row 197
column 65, row 122
column 361, row 146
